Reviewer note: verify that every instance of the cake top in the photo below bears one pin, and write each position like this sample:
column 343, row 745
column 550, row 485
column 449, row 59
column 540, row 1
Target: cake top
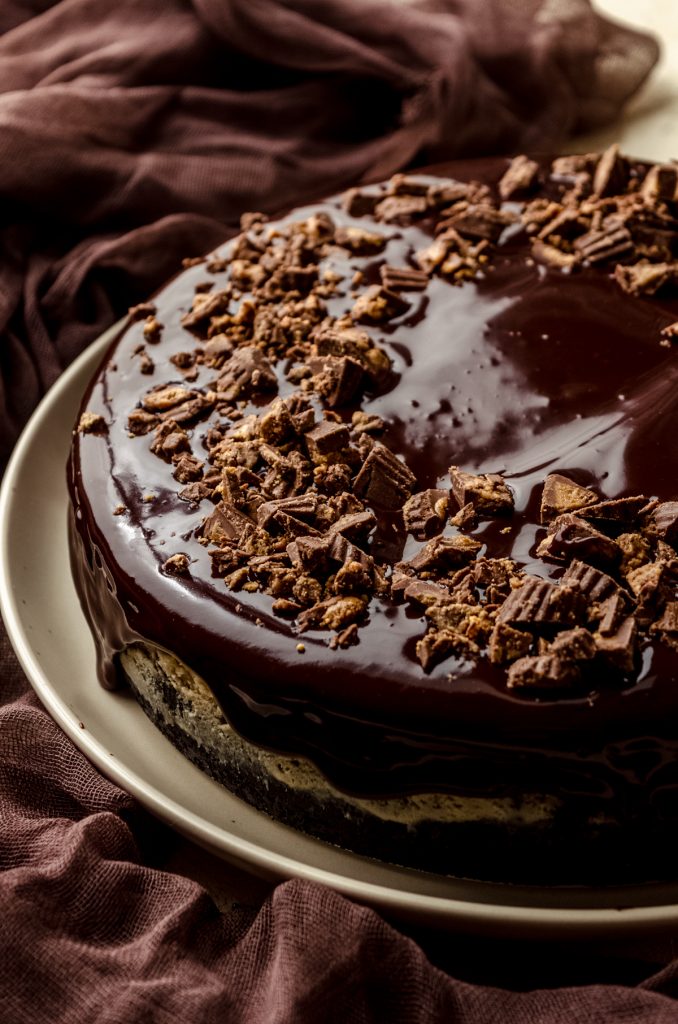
column 418, row 439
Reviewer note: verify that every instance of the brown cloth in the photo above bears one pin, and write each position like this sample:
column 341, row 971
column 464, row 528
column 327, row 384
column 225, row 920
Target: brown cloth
column 134, row 132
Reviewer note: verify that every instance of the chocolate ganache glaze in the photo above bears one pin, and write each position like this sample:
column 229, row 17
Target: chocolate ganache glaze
column 524, row 369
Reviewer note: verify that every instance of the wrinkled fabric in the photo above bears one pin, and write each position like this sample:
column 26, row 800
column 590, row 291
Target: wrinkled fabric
column 133, row 134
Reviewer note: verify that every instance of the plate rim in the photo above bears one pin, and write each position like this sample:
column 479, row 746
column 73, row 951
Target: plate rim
column 558, row 922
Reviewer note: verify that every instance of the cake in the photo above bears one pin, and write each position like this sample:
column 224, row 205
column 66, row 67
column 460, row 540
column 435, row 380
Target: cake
column 374, row 509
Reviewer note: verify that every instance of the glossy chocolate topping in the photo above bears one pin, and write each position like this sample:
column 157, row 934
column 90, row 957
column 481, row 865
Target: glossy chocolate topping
column 523, row 371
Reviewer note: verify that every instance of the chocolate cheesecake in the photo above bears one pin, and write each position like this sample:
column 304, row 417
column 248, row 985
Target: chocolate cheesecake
column 375, row 511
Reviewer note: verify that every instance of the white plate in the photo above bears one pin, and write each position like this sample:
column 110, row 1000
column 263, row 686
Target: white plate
column 49, row 633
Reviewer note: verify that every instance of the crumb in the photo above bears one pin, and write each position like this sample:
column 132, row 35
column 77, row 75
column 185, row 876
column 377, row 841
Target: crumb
column 92, row 423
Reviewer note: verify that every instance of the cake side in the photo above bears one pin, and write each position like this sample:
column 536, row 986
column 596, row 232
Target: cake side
column 530, row 837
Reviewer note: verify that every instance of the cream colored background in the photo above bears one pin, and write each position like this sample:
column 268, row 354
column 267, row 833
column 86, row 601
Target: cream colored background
column 649, row 126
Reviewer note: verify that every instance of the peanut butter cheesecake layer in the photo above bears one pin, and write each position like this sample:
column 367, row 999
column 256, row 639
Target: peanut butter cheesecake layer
column 375, row 511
